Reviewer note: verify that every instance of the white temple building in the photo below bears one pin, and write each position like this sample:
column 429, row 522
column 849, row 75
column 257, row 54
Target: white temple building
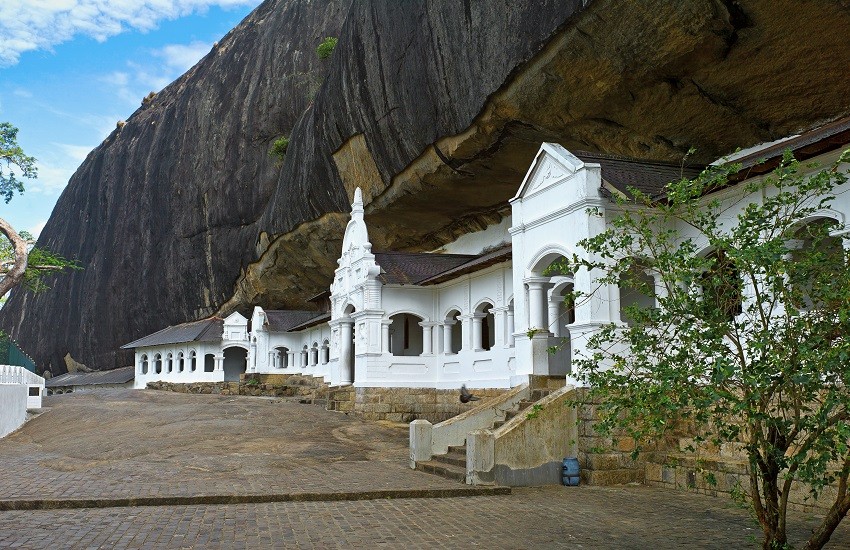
column 482, row 311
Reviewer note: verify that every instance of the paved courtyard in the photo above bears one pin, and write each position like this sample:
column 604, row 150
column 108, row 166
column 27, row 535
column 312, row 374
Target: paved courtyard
column 159, row 444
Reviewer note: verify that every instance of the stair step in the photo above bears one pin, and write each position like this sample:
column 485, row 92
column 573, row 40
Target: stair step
column 447, row 471
column 498, row 424
column 458, row 449
column 537, row 395
column 524, row 404
column 455, row 459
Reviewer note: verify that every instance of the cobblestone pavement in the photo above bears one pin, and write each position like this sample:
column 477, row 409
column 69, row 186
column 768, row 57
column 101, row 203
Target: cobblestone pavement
column 550, row 517
column 154, row 444
column 159, row 444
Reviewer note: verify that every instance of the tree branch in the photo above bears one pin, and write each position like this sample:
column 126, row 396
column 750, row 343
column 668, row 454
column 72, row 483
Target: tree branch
column 16, row 274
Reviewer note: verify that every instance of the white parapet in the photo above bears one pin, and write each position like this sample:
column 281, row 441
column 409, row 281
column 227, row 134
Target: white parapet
column 19, row 376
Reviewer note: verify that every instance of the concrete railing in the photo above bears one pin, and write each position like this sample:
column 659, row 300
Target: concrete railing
column 529, row 448
column 427, row 440
column 14, row 375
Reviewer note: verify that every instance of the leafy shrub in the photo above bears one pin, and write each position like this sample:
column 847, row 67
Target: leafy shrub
column 326, row 48
column 279, row 147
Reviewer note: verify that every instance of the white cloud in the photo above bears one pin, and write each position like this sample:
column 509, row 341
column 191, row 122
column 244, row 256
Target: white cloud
column 35, row 230
column 182, row 57
column 27, row 25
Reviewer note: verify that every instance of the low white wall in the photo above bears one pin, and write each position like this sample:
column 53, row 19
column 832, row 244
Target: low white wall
column 13, row 407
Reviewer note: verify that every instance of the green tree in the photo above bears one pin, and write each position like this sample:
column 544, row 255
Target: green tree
column 750, row 343
column 20, row 260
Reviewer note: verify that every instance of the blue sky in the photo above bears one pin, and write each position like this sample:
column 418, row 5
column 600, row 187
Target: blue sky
column 70, row 69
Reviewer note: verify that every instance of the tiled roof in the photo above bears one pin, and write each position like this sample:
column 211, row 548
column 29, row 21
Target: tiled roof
column 313, row 321
column 205, row 330
column 812, row 143
column 115, row 376
column 503, row 254
column 411, row 268
column 650, row 177
column 284, row 320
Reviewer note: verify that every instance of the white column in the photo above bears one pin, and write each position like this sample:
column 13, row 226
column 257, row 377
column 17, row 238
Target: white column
column 385, row 335
column 290, row 362
column 427, row 339
column 554, row 317
column 510, row 325
column 476, row 319
column 219, row 362
column 536, row 302
column 499, row 314
column 447, row 337
column 345, row 348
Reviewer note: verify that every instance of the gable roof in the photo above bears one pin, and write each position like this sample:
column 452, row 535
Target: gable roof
column 205, row 330
column 120, row 375
column 284, row 320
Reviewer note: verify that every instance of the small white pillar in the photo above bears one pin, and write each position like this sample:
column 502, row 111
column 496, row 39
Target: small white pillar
column 385, row 335
column 345, row 348
column 290, row 358
column 510, row 325
column 219, row 362
column 536, row 301
column 427, row 339
column 477, row 319
column 421, row 433
column 447, row 337
column 554, row 316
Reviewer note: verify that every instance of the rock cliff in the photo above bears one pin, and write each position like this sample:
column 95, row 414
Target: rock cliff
column 434, row 108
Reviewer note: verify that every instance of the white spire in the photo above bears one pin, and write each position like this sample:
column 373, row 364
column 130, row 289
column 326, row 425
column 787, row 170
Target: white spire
column 357, row 205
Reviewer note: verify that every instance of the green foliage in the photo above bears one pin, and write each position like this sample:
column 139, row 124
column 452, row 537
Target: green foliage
column 252, row 382
column 279, row 147
column 41, row 264
column 326, row 47
column 12, row 156
column 749, row 343
column 535, row 411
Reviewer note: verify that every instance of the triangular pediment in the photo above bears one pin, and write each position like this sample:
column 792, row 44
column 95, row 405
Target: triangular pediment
column 552, row 164
column 235, row 318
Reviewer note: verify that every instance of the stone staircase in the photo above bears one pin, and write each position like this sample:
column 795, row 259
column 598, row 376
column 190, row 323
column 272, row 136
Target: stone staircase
column 452, row 465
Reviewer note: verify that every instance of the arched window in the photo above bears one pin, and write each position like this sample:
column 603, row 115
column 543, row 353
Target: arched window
column 405, row 335
column 637, row 291
column 484, row 327
column 721, row 287
column 304, row 355
column 815, row 256
column 193, row 360
column 144, row 362
column 157, row 363
column 209, row 362
column 169, row 363
column 181, row 362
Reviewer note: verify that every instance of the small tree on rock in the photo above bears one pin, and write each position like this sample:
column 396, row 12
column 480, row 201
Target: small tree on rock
column 750, row 343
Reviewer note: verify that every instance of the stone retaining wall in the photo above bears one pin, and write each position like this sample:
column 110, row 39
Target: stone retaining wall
column 306, row 388
column 408, row 404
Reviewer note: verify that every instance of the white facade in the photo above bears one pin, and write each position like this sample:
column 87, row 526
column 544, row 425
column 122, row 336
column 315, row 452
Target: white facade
column 489, row 327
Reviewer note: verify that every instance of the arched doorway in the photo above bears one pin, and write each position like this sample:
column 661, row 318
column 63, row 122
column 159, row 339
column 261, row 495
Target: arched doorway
column 235, row 363
column 405, row 335
column 484, row 327
column 452, row 333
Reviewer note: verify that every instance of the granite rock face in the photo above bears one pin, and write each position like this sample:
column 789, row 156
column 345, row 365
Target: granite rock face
column 435, row 109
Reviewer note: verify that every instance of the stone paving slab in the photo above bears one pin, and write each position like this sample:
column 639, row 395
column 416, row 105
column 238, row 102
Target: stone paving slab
column 550, row 517
column 147, row 444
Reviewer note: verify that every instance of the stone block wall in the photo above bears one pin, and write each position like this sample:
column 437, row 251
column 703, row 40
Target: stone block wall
column 306, row 389
column 408, row 404
column 605, row 460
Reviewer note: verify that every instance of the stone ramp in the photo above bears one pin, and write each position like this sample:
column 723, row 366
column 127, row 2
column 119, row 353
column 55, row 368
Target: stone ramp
column 149, row 448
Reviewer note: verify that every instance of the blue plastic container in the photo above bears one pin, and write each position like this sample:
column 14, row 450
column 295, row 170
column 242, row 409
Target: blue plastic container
column 570, row 475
